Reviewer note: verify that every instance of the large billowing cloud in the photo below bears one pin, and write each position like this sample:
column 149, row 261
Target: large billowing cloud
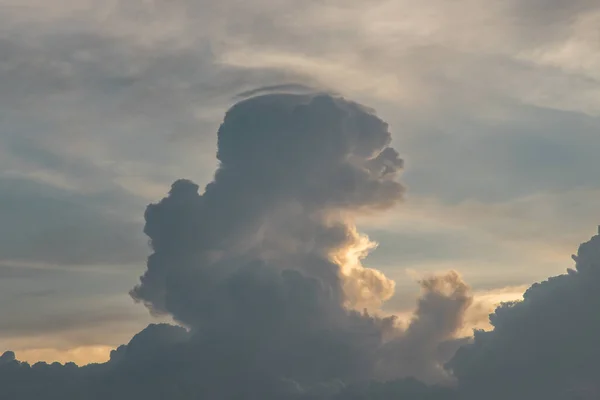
column 293, row 170
column 87, row 85
column 263, row 271
column 545, row 346
column 268, row 254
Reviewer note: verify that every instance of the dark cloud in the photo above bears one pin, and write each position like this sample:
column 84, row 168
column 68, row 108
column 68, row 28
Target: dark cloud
column 263, row 271
column 426, row 344
column 544, row 346
column 260, row 260
column 409, row 389
column 74, row 101
column 259, row 257
column 263, row 268
column 290, row 167
column 548, row 15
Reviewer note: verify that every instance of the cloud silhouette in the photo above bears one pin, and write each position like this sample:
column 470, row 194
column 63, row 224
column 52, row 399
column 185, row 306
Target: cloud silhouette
column 293, row 170
column 544, row 346
column 263, row 271
column 428, row 342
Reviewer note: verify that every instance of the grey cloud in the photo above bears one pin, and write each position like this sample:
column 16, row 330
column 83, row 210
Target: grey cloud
column 63, row 324
column 259, row 268
column 251, row 258
column 43, row 224
column 175, row 273
column 533, row 150
column 159, row 362
column 75, row 100
column 422, row 349
column 177, row 87
column 165, row 360
column 401, row 389
column 288, row 162
column 249, row 267
column 543, row 346
column 551, row 14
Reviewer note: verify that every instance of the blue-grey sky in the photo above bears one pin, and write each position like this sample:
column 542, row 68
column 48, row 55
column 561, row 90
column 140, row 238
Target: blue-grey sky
column 493, row 105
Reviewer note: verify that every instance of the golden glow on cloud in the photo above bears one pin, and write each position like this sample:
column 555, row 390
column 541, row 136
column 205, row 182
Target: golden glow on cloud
column 363, row 287
column 363, row 292
column 477, row 315
column 485, row 302
column 79, row 355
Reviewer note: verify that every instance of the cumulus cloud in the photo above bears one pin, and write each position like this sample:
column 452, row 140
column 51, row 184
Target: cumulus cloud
column 263, row 270
column 293, row 169
column 426, row 344
column 268, row 253
column 544, row 346
column 49, row 226
column 165, row 63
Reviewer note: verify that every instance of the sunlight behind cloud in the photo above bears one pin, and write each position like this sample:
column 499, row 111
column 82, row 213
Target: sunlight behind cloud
column 492, row 109
column 78, row 355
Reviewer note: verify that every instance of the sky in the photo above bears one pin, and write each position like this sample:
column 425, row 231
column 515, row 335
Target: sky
column 493, row 106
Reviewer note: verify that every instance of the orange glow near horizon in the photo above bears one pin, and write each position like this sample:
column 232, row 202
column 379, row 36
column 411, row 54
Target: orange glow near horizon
column 79, row 355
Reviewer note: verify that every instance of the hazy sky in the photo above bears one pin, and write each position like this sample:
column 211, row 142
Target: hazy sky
column 493, row 105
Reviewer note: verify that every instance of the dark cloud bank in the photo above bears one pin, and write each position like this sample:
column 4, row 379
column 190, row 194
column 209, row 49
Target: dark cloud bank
column 262, row 270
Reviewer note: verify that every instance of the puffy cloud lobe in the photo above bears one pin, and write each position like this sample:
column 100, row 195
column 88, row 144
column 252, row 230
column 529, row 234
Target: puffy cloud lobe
column 234, row 362
column 292, row 167
column 544, row 346
column 266, row 260
column 428, row 342
column 321, row 151
column 7, row 358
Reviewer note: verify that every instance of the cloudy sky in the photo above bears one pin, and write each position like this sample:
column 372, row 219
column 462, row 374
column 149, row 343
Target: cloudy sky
column 493, row 106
